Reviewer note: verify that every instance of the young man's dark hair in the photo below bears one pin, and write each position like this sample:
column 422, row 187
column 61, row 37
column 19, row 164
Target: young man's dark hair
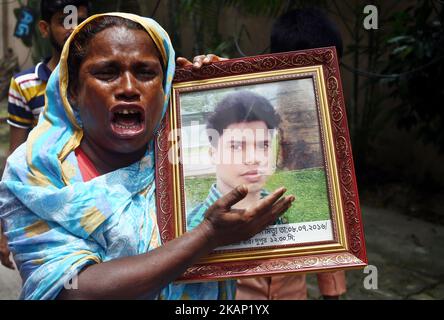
column 304, row 29
column 242, row 106
column 50, row 7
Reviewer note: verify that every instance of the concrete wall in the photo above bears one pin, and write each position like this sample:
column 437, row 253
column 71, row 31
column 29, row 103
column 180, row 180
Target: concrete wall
column 7, row 35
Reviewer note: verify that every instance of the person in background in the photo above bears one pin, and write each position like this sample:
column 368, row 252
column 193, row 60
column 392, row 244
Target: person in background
column 302, row 29
column 26, row 97
column 27, row 90
column 297, row 30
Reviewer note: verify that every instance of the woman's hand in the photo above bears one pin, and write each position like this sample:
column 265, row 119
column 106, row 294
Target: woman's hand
column 136, row 276
column 198, row 61
column 226, row 225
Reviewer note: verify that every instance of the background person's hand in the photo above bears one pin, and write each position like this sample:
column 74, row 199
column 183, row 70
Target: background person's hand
column 5, row 253
column 227, row 225
column 198, row 61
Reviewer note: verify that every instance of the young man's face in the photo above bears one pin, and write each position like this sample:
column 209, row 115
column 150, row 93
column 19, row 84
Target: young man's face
column 55, row 29
column 243, row 156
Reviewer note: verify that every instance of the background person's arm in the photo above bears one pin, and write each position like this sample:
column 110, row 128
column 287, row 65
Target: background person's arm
column 20, row 116
column 17, row 136
column 332, row 284
column 146, row 274
column 4, row 250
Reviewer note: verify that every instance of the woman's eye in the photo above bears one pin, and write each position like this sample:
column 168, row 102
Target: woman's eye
column 106, row 74
column 147, row 74
column 236, row 147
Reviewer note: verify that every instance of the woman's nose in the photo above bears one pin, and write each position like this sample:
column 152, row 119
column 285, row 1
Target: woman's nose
column 127, row 89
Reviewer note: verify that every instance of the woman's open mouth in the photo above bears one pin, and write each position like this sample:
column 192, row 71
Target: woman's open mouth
column 127, row 121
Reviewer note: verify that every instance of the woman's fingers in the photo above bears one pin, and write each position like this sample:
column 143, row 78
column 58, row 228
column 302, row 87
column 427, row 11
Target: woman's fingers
column 276, row 210
column 231, row 198
column 266, row 203
column 182, row 62
column 198, row 61
column 201, row 60
column 210, row 58
column 281, row 206
column 232, row 225
column 278, row 204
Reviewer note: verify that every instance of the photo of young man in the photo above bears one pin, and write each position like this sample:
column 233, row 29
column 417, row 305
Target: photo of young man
column 241, row 132
column 239, row 135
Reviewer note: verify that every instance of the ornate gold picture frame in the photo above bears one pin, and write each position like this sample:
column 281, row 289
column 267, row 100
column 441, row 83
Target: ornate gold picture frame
column 308, row 151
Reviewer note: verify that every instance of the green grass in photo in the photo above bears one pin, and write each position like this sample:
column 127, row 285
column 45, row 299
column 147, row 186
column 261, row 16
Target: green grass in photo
column 309, row 186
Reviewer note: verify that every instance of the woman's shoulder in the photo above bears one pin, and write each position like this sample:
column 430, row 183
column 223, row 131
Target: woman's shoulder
column 10, row 205
column 17, row 159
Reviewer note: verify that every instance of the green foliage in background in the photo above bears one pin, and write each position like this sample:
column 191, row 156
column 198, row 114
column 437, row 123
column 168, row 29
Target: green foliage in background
column 416, row 47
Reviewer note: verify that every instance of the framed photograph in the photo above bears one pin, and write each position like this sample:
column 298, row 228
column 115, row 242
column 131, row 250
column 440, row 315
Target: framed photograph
column 266, row 121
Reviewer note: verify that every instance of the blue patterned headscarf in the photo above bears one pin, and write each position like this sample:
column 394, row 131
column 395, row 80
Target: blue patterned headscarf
column 55, row 222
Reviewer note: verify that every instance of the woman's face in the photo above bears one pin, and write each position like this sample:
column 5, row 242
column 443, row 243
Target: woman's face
column 120, row 92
